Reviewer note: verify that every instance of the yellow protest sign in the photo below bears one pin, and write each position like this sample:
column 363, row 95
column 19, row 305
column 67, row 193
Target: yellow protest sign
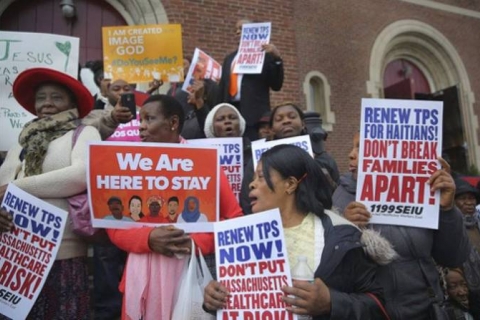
column 142, row 53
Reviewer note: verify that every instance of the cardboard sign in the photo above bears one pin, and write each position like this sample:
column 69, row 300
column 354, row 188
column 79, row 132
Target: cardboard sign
column 230, row 157
column 252, row 263
column 20, row 51
column 126, row 179
column 251, row 55
column 202, row 67
column 142, row 53
column 260, row 146
column 400, row 141
column 27, row 252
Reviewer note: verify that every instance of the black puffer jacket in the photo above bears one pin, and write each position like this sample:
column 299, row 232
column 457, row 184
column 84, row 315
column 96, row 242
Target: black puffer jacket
column 348, row 272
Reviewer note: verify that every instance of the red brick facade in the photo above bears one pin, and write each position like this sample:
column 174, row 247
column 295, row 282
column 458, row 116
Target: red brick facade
column 332, row 37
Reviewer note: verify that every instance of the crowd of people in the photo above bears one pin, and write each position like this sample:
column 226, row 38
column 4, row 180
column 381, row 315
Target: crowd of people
column 362, row 270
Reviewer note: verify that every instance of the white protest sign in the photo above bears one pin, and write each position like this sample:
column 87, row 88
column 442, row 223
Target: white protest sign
column 230, row 157
column 250, row 56
column 260, row 146
column 400, row 141
column 252, row 263
column 202, row 67
column 24, row 50
column 27, row 252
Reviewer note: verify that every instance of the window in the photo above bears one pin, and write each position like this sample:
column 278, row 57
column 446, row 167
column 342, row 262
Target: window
column 317, row 92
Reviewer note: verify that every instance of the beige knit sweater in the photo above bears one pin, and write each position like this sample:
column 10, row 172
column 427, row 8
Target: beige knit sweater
column 64, row 175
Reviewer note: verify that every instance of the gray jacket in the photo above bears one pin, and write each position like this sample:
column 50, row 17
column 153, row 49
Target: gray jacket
column 102, row 120
column 406, row 291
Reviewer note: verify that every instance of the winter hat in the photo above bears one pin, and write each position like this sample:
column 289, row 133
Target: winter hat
column 463, row 186
column 208, row 129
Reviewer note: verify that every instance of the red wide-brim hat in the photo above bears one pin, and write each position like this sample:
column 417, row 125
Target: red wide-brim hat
column 27, row 83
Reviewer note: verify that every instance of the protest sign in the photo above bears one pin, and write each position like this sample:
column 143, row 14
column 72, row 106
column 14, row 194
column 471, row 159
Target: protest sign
column 20, row 51
column 251, row 55
column 252, row 263
column 170, row 183
column 127, row 131
column 27, row 252
column 400, row 141
column 142, row 53
column 202, row 67
column 260, row 146
column 230, row 156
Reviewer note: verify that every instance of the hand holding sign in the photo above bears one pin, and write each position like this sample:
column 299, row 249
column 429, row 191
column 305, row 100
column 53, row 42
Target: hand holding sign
column 309, row 298
column 216, row 296
column 357, row 213
column 6, row 221
column 271, row 48
column 197, row 92
column 167, row 239
column 443, row 181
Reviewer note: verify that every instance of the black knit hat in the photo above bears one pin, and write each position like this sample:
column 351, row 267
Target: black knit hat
column 463, row 187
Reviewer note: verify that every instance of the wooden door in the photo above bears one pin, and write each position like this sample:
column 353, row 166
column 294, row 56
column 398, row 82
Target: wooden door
column 403, row 89
column 46, row 16
column 453, row 131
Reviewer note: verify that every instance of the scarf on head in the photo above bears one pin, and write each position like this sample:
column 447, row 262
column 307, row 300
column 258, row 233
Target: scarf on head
column 191, row 216
column 37, row 135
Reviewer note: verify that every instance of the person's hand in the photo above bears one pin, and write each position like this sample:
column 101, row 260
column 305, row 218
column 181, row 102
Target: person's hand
column 121, row 114
column 187, row 247
column 357, row 213
column 197, row 92
column 6, row 221
column 3, row 189
column 271, row 48
column 215, row 296
column 443, row 181
column 308, row 298
column 154, row 85
column 168, row 240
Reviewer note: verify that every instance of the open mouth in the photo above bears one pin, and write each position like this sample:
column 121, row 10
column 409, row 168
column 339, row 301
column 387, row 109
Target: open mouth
column 228, row 131
column 253, row 200
column 143, row 138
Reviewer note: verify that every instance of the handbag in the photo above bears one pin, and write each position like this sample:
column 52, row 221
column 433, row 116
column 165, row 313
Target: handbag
column 189, row 293
column 79, row 210
column 437, row 309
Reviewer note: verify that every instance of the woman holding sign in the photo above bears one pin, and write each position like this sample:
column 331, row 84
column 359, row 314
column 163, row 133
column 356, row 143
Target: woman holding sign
column 287, row 120
column 49, row 163
column 344, row 287
column 153, row 268
column 411, row 282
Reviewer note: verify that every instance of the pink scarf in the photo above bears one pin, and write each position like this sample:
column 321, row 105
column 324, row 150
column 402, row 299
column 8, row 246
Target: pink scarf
column 151, row 282
column 150, row 285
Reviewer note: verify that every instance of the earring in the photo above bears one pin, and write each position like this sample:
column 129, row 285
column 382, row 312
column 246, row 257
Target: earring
column 173, row 128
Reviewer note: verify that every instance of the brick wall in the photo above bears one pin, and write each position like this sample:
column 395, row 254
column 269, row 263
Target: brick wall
column 336, row 38
column 210, row 26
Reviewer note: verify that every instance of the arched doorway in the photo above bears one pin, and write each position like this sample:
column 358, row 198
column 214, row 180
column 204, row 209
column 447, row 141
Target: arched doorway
column 412, row 60
column 46, row 16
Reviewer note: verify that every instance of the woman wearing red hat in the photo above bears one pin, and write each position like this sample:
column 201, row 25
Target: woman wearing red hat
column 46, row 164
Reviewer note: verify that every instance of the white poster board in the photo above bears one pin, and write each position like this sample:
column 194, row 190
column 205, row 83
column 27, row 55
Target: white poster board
column 251, row 55
column 400, row 141
column 252, row 263
column 25, row 50
column 28, row 251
